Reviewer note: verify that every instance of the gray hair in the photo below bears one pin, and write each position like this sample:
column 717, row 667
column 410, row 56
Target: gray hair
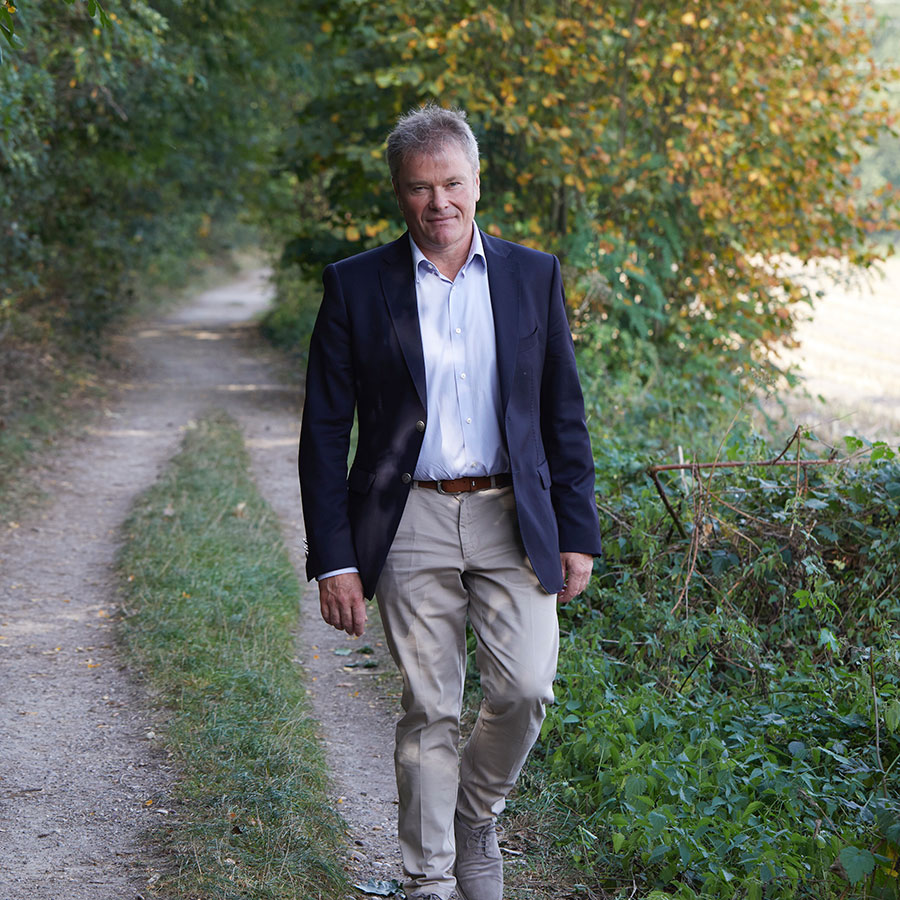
column 426, row 130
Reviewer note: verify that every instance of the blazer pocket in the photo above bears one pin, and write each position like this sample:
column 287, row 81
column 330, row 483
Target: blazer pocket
column 544, row 474
column 527, row 342
column 359, row 480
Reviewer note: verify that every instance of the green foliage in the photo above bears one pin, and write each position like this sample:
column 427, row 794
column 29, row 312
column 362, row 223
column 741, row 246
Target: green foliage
column 879, row 168
column 8, row 12
column 212, row 601
column 289, row 323
column 729, row 700
column 681, row 161
column 128, row 147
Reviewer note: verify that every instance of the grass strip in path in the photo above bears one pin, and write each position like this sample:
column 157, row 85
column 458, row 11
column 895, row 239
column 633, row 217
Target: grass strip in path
column 211, row 602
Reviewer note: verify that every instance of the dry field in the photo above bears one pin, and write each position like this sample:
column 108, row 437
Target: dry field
column 849, row 354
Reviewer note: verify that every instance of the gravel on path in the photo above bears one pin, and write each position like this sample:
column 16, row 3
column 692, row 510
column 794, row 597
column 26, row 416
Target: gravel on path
column 82, row 773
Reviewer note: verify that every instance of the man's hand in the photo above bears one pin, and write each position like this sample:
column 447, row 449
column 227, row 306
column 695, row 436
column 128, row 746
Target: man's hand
column 576, row 572
column 342, row 603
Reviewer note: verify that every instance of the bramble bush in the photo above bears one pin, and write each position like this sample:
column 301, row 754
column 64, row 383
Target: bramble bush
column 728, row 707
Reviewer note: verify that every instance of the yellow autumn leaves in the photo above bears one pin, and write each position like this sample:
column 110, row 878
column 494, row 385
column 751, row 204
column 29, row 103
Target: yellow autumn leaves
column 370, row 230
column 690, row 18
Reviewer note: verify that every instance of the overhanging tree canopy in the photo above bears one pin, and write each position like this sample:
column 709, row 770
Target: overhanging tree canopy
column 673, row 154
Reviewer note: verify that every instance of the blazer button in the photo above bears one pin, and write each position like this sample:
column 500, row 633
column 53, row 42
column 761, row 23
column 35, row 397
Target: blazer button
column 420, row 425
column 406, row 478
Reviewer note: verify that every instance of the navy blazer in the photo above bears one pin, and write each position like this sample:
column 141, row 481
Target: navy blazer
column 365, row 356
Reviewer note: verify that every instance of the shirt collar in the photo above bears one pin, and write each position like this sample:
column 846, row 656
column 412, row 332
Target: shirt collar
column 421, row 263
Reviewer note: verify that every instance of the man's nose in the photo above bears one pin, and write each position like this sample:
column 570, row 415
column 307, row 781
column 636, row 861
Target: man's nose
column 439, row 198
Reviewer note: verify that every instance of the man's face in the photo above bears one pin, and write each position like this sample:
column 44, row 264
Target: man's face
column 437, row 193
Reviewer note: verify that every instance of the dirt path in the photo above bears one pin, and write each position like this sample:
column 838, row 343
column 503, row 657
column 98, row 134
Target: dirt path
column 78, row 755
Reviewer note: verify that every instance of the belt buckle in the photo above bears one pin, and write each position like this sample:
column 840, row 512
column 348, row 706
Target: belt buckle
column 439, row 485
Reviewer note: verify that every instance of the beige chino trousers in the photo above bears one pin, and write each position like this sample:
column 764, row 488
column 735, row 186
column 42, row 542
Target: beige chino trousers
column 459, row 555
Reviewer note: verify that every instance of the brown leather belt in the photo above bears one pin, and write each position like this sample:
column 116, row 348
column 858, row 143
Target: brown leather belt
column 465, row 485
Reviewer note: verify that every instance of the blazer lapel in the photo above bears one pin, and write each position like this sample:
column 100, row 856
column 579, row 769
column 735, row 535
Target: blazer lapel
column 505, row 285
column 400, row 295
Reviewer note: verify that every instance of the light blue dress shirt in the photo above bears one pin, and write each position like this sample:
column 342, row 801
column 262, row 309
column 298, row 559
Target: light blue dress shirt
column 462, row 425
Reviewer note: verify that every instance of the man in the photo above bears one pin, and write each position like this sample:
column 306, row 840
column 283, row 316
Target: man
column 471, row 492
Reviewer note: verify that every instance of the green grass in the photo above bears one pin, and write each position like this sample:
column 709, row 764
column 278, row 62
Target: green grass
column 211, row 603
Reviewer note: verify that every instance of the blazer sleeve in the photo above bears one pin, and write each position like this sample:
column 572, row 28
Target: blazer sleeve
column 327, row 421
column 565, row 435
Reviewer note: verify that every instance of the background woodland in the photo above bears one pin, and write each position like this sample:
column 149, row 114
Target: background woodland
column 728, row 715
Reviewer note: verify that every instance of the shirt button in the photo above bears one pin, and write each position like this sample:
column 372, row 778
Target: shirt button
column 459, row 330
column 462, row 375
column 406, row 478
column 420, row 425
column 469, row 420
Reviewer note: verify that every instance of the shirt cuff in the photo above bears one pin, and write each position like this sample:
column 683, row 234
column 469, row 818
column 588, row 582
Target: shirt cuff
column 336, row 572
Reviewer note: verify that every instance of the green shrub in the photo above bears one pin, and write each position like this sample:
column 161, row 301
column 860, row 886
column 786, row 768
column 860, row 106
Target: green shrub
column 728, row 705
column 290, row 321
